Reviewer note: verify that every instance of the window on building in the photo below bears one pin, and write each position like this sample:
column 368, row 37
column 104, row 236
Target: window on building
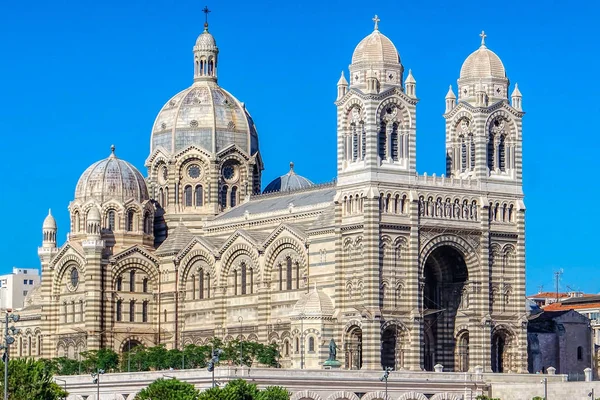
column 119, row 310
column 145, row 285
column 288, row 274
column 25, row 282
column 119, row 283
column 311, row 344
column 243, row 278
column 132, row 280
column 145, row 311
column 198, row 194
column 111, row 220
column 233, row 201
column 31, row 281
column 187, row 196
column 579, row 353
column 24, row 292
column 132, row 311
column 200, row 284
column 130, row 217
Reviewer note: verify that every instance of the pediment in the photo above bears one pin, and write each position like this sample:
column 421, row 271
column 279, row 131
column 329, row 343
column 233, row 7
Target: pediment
column 197, row 243
column 133, row 251
column 66, row 250
column 284, row 229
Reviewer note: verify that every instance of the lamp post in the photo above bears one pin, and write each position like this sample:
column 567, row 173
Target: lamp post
column 96, row 380
column 8, row 340
column 591, row 394
column 241, row 340
column 385, row 376
column 545, row 382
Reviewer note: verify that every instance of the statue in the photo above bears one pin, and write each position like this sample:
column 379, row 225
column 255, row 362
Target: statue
column 332, row 350
column 331, row 362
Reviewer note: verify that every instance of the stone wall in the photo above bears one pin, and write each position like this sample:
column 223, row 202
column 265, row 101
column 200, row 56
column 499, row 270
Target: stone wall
column 556, row 390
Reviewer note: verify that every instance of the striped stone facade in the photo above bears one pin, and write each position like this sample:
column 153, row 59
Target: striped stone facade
column 403, row 270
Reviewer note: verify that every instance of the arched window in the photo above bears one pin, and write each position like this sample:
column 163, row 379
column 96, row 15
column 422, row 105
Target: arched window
column 119, row 283
column 199, row 196
column 130, row 216
column 166, row 203
column 145, row 311
column 472, row 144
column 235, row 282
column 288, row 273
column 147, row 223
column 76, row 226
column 111, row 220
column 280, row 277
column 311, row 344
column 145, row 285
column 490, row 148
column 501, row 154
column 286, row 347
column 187, row 195
column 355, row 143
column 382, row 142
column 363, row 141
column 463, row 154
column 243, row 277
column 119, row 310
column 161, row 197
column 132, row 311
column 251, row 280
column 224, row 190
column 233, row 201
column 394, row 142
column 132, row 280
column 297, row 275
column 210, row 68
column 201, row 284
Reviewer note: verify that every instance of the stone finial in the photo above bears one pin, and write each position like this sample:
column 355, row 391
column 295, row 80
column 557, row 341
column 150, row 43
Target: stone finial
column 483, row 36
column 551, row 371
column 376, row 20
column 438, row 368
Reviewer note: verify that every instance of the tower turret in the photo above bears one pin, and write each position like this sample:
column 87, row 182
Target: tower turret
column 516, row 98
column 450, row 99
column 49, row 231
column 342, row 86
column 93, row 223
column 205, row 54
column 410, row 85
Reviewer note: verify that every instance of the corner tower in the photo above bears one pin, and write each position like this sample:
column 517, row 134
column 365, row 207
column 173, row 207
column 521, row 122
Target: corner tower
column 376, row 115
column 483, row 130
column 204, row 155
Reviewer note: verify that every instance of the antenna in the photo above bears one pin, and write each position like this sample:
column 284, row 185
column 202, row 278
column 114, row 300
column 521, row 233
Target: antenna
column 540, row 288
column 557, row 275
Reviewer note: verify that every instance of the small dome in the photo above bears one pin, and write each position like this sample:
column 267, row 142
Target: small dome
column 375, row 48
column 287, row 182
column 206, row 41
column 94, row 214
column 111, row 178
column 49, row 222
column 482, row 63
column 316, row 303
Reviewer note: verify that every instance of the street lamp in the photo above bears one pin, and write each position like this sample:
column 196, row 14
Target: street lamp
column 591, row 394
column 385, row 376
column 241, row 319
column 8, row 340
column 545, row 382
column 96, row 380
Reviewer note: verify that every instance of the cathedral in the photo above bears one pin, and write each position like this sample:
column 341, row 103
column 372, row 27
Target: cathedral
column 403, row 270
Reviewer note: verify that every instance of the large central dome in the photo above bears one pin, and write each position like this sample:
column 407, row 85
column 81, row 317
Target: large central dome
column 206, row 116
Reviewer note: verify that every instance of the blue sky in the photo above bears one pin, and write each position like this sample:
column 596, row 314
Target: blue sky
column 78, row 76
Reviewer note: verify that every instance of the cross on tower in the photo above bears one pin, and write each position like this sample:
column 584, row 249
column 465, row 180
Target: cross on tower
column 205, row 10
column 483, row 36
column 376, row 20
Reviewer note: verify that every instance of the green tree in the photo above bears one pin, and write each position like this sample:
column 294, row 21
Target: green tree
column 239, row 389
column 168, row 389
column 106, row 359
column 29, row 379
column 274, row 393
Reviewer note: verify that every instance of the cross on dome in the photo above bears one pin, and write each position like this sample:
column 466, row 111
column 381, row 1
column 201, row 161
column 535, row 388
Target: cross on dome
column 376, row 20
column 205, row 10
column 483, row 36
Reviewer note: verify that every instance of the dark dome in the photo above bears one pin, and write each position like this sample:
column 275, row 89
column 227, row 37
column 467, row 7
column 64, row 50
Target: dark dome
column 287, row 182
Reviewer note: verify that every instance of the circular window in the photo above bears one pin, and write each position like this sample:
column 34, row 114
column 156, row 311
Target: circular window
column 74, row 278
column 229, row 172
column 194, row 171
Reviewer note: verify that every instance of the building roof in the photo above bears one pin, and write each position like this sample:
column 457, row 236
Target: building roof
column 288, row 182
column 547, row 295
column 176, row 240
column 564, row 305
column 111, row 178
column 278, row 201
column 375, row 48
column 482, row 63
column 315, row 303
column 49, row 221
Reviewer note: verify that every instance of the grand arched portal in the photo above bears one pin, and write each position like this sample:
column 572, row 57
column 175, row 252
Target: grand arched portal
column 445, row 275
